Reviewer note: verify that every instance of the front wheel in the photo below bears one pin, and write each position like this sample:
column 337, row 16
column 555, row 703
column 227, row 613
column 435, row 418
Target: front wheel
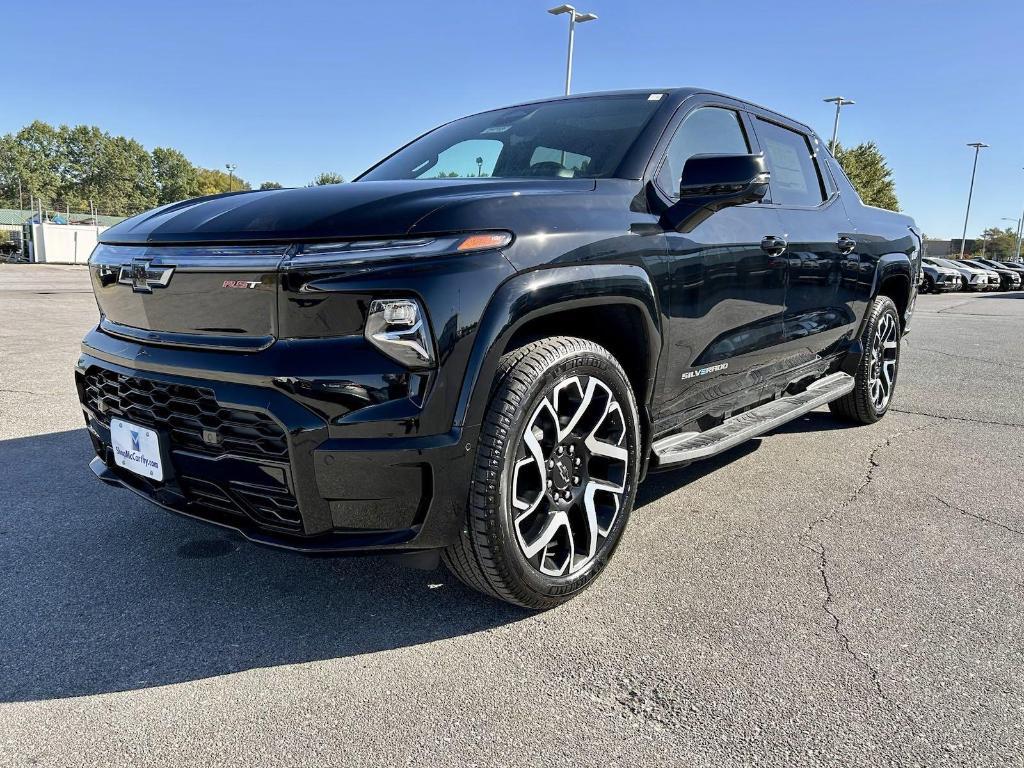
column 555, row 475
column 876, row 373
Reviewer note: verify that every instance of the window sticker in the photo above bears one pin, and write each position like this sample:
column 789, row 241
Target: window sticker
column 787, row 173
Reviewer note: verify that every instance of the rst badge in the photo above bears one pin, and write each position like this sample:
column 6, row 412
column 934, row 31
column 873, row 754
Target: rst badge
column 241, row 284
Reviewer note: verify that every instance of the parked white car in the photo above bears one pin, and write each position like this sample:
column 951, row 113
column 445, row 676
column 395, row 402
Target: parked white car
column 975, row 279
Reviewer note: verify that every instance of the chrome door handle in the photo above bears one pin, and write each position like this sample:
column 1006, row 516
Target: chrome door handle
column 773, row 245
column 846, row 245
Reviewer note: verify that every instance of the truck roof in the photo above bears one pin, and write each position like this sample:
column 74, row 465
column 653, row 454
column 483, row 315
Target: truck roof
column 677, row 94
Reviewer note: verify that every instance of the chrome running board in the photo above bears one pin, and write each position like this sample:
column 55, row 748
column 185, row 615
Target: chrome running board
column 693, row 446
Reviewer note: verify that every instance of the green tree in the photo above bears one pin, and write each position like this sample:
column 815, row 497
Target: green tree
column 127, row 184
column 999, row 243
column 327, row 177
column 215, row 182
column 75, row 166
column 35, row 155
column 865, row 165
column 270, row 185
column 176, row 178
column 81, row 174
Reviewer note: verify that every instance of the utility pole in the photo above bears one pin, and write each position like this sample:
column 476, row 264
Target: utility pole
column 840, row 102
column 231, row 176
column 978, row 145
column 574, row 18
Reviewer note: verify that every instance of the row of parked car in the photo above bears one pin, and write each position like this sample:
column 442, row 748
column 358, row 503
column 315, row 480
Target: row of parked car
column 942, row 275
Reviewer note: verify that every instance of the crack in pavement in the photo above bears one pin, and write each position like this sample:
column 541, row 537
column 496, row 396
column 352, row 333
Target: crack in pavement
column 823, row 563
column 6, row 391
column 837, row 629
column 957, row 418
column 982, row 518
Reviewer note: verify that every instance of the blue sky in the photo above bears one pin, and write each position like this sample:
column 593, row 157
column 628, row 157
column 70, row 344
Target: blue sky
column 288, row 89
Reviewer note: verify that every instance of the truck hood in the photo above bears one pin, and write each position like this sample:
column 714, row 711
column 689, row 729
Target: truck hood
column 336, row 211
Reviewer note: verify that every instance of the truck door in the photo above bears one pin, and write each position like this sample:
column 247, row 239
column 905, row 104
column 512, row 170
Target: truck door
column 728, row 283
column 820, row 240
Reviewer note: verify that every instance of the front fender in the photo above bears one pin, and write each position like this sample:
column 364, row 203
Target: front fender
column 535, row 294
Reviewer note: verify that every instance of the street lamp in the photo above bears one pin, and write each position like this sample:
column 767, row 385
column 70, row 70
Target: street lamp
column 978, row 145
column 231, row 176
column 574, row 18
column 840, row 102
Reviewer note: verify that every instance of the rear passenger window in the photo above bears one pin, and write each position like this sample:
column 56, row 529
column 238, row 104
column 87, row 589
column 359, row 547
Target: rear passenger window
column 705, row 131
column 795, row 179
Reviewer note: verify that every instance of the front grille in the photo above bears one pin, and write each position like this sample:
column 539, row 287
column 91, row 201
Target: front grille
column 194, row 421
column 190, row 416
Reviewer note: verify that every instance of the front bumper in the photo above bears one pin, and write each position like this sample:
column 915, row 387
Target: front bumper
column 243, row 452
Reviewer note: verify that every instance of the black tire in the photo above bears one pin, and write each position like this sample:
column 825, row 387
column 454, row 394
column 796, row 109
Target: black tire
column 491, row 554
column 862, row 404
column 928, row 286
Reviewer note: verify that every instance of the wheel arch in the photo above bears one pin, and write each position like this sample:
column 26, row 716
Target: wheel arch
column 893, row 279
column 593, row 302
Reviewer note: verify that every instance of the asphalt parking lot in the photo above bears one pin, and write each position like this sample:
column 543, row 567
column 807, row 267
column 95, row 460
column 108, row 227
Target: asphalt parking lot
column 825, row 595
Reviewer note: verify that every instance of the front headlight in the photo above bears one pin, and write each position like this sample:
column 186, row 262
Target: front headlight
column 368, row 251
column 399, row 329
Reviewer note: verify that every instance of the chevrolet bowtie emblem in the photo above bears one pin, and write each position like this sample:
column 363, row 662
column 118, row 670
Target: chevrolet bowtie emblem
column 143, row 277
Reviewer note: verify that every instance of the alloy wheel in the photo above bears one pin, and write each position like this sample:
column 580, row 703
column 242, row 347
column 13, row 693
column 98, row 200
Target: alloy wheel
column 884, row 357
column 569, row 476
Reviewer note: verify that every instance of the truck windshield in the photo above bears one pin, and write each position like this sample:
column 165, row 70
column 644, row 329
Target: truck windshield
column 575, row 138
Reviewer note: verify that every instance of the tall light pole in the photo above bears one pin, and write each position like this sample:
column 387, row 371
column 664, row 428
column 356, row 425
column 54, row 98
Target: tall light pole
column 231, row 176
column 840, row 102
column 978, row 145
column 574, row 18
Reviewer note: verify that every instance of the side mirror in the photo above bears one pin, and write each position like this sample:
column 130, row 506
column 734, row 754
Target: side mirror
column 712, row 182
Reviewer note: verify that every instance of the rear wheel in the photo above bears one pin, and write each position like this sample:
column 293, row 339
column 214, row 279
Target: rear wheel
column 555, row 476
column 879, row 365
column 929, row 285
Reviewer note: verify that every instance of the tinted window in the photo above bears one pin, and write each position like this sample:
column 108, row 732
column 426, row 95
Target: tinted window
column 705, row 131
column 795, row 179
column 820, row 152
column 570, row 160
column 475, row 157
column 585, row 137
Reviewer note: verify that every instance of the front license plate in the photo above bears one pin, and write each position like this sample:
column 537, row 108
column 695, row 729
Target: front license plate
column 136, row 448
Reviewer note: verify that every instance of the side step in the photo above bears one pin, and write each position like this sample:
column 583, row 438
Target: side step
column 692, row 446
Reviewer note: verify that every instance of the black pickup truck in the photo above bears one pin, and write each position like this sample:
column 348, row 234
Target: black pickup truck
column 481, row 346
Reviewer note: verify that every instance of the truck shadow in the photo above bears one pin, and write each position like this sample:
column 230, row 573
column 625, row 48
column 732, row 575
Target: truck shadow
column 99, row 592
